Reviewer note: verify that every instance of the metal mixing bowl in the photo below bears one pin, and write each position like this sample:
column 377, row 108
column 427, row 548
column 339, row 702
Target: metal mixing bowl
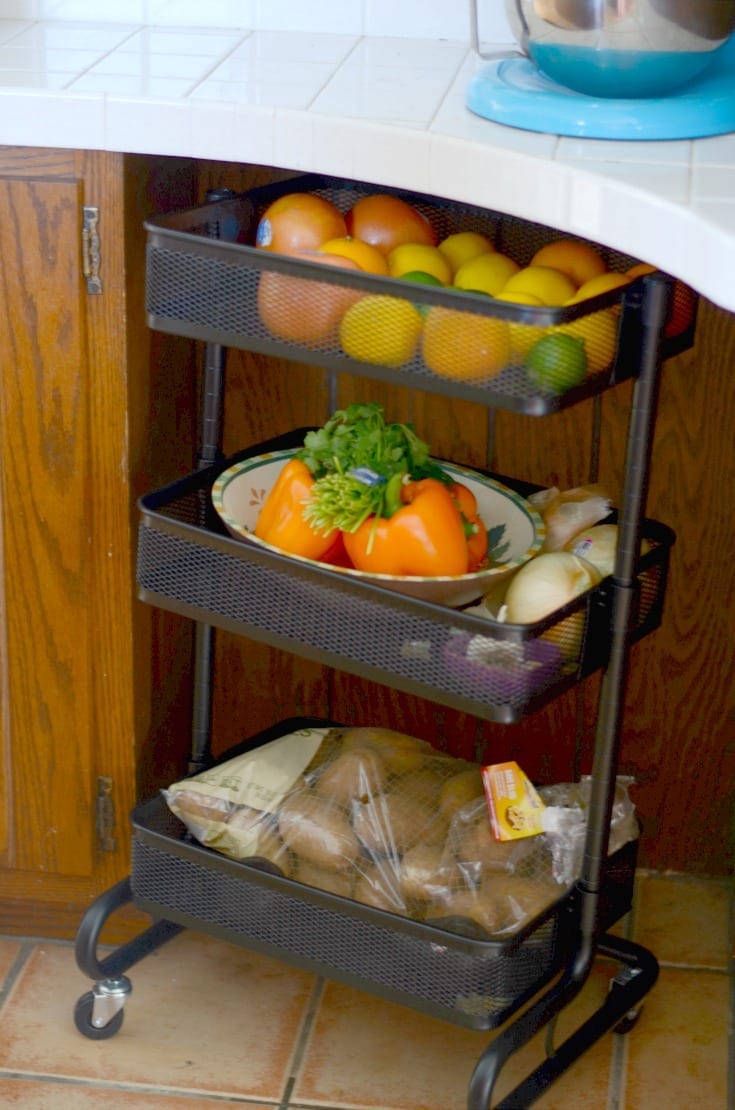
column 621, row 48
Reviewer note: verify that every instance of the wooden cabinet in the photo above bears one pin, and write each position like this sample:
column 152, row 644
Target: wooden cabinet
column 75, row 394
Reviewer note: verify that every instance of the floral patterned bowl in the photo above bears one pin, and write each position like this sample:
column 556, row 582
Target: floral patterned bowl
column 515, row 530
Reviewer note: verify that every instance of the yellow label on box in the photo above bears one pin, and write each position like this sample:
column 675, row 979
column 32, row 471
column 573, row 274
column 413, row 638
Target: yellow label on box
column 514, row 805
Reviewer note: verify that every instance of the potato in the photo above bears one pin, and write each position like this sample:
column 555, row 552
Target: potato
column 422, row 870
column 356, row 775
column 334, row 882
column 459, row 790
column 391, row 823
column 400, row 752
column 377, row 887
column 316, row 829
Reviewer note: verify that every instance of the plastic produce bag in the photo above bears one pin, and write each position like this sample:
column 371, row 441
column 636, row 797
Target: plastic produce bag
column 566, row 514
column 565, row 823
column 377, row 816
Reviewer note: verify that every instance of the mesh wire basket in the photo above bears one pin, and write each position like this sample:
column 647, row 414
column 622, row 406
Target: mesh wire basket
column 472, row 982
column 189, row 564
column 206, row 280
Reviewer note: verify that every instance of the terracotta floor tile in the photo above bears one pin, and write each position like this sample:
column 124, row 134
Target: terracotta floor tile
column 9, row 952
column 31, row 1095
column 677, row 1053
column 204, row 1016
column 683, row 921
column 367, row 1053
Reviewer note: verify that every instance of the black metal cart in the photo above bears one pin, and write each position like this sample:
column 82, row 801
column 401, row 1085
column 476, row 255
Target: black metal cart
column 202, row 282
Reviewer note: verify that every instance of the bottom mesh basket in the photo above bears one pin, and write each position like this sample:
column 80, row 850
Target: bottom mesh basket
column 474, row 983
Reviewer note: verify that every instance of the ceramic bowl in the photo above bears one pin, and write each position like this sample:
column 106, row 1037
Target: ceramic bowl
column 516, row 530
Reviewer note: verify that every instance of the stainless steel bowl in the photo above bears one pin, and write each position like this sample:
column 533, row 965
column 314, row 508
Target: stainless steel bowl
column 621, row 48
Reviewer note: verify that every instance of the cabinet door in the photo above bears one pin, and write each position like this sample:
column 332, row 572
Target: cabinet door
column 75, row 702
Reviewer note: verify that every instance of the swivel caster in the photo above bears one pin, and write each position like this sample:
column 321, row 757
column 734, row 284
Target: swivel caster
column 99, row 1013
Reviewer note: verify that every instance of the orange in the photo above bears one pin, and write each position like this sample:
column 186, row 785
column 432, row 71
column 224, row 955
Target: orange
column 579, row 261
column 486, row 273
column 551, row 286
column 410, row 257
column 683, row 304
column 381, row 330
column 385, row 221
column 599, row 333
column 299, row 222
column 522, row 336
column 366, row 257
column 464, row 245
column 301, row 310
column 465, row 346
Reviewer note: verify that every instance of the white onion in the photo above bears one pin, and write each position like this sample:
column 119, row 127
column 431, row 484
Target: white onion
column 598, row 546
column 546, row 583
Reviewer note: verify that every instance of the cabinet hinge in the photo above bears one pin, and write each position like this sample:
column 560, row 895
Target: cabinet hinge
column 105, row 815
column 91, row 249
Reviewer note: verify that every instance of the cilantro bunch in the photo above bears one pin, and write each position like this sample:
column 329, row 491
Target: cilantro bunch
column 358, row 462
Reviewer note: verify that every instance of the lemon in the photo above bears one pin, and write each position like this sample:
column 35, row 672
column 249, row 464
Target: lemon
column 486, row 273
column 552, row 287
column 381, row 330
column 603, row 283
column 465, row 346
column 464, row 245
column 410, row 257
column 599, row 334
column 557, row 362
column 522, row 336
column 579, row 261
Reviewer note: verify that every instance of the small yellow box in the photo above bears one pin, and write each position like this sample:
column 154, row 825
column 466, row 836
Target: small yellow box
column 515, row 806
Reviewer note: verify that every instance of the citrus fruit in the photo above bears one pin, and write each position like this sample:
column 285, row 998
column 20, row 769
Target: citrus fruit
column 464, row 245
column 301, row 310
column 381, row 330
column 367, row 258
column 603, row 283
column 579, row 261
column 419, row 256
column 486, row 273
column 464, row 346
column 549, row 285
column 599, row 333
column 386, row 221
column 557, row 362
column 683, row 302
column 522, row 336
column 421, row 278
column 299, row 222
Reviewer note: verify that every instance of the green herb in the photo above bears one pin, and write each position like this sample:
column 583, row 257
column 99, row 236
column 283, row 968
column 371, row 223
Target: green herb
column 359, row 462
column 358, row 436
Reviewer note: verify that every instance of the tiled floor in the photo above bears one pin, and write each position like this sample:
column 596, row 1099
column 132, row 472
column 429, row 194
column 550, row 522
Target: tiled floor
column 212, row 1025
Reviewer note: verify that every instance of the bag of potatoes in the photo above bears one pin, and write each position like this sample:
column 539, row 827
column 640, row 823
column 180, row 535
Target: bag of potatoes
column 377, row 816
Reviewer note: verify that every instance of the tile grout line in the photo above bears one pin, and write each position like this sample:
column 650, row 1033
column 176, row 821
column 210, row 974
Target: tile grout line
column 302, row 1041
column 16, row 969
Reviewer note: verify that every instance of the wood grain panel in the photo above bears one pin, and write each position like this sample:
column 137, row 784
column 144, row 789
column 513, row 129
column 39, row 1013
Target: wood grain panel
column 46, row 501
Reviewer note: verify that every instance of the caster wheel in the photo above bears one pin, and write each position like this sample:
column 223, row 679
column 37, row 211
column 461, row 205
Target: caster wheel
column 83, row 1020
column 628, row 1022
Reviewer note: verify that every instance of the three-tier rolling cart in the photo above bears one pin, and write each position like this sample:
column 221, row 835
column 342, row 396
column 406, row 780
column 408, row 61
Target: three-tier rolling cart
column 202, row 280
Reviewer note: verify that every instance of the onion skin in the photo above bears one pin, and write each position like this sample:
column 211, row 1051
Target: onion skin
column 547, row 583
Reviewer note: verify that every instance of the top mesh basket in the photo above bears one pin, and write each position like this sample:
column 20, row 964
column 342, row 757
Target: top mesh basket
column 207, row 280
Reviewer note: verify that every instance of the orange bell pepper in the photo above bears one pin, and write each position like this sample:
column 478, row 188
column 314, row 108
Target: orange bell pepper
column 424, row 537
column 475, row 530
column 281, row 519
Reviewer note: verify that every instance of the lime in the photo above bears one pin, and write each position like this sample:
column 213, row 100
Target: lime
column 422, row 278
column 557, row 362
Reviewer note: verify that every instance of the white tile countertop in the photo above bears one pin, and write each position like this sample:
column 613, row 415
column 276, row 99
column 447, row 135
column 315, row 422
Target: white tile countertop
column 356, row 101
